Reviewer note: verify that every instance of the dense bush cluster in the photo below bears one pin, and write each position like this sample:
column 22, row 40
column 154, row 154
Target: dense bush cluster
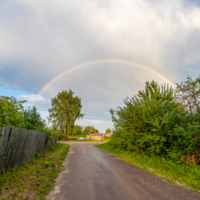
column 157, row 121
column 13, row 113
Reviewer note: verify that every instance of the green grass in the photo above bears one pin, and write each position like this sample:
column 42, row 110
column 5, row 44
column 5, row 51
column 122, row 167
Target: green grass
column 76, row 136
column 180, row 174
column 106, row 139
column 83, row 141
column 35, row 179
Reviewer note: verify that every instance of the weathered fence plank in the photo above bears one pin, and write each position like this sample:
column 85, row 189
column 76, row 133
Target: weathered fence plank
column 20, row 145
column 3, row 144
column 6, row 143
column 11, row 147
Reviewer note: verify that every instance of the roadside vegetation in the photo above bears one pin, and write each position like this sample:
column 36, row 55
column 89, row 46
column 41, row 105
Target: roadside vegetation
column 13, row 113
column 160, row 121
column 106, row 139
column 34, row 180
column 159, row 130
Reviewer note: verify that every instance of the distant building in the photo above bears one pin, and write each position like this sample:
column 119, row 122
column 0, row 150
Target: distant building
column 95, row 136
column 98, row 136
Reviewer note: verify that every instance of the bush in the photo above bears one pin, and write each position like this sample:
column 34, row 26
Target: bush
column 153, row 123
column 60, row 136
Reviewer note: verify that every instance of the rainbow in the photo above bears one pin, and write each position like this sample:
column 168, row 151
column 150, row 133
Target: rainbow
column 103, row 61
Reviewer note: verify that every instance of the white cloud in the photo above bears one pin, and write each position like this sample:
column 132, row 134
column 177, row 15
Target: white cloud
column 34, row 98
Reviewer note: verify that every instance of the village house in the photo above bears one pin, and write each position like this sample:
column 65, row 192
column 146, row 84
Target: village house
column 95, row 136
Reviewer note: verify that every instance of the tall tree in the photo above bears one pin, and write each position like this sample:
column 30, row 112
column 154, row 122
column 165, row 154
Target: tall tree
column 188, row 93
column 66, row 108
column 90, row 129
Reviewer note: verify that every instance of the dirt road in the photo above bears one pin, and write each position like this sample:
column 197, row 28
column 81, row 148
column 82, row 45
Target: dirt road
column 93, row 174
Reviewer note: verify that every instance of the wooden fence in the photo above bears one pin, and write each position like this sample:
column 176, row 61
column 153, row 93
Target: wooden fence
column 20, row 145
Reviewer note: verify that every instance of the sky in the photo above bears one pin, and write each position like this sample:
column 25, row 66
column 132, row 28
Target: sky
column 103, row 50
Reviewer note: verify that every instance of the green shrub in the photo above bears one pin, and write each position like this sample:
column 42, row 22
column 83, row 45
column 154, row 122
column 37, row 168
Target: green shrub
column 153, row 123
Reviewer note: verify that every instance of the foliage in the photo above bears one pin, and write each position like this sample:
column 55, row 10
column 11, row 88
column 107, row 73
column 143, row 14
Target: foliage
column 77, row 131
column 153, row 123
column 60, row 136
column 108, row 130
column 66, row 108
column 57, row 128
column 10, row 111
column 32, row 119
column 90, row 129
column 188, row 93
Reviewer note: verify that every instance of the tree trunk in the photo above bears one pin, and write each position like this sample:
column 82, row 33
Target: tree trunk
column 65, row 130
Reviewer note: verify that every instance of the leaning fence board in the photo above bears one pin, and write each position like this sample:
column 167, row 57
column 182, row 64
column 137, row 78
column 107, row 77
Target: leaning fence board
column 21, row 158
column 5, row 148
column 10, row 148
column 2, row 145
column 20, row 145
column 17, row 151
column 23, row 152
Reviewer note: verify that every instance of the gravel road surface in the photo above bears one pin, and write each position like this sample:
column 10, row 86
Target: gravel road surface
column 93, row 174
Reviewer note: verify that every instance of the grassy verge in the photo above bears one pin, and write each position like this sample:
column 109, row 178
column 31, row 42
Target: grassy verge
column 76, row 136
column 180, row 174
column 82, row 141
column 35, row 179
column 107, row 139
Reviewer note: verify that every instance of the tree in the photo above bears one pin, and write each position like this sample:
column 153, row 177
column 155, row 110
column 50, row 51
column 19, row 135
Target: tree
column 66, row 108
column 108, row 130
column 33, row 120
column 57, row 128
column 77, row 130
column 188, row 93
column 95, row 130
column 90, row 129
column 77, row 127
column 11, row 111
column 154, row 92
column 154, row 123
column 145, row 120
